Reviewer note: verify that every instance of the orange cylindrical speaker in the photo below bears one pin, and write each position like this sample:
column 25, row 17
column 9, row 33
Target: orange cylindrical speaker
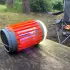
column 23, row 35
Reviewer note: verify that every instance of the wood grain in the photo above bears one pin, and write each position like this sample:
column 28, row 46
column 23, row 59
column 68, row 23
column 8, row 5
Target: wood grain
column 48, row 55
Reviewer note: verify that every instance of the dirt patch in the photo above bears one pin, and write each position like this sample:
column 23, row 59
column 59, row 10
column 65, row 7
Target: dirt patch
column 49, row 20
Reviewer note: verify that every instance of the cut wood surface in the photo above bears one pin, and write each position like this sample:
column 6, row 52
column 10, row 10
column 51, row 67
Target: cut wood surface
column 48, row 55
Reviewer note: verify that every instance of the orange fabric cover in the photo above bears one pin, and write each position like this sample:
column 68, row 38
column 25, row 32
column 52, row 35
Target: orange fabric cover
column 27, row 33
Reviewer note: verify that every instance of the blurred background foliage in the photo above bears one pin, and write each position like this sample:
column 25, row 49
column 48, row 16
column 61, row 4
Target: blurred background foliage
column 2, row 1
column 17, row 6
column 35, row 5
column 40, row 5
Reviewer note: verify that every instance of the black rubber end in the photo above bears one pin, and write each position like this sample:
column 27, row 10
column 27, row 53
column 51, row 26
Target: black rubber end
column 5, row 40
column 8, row 40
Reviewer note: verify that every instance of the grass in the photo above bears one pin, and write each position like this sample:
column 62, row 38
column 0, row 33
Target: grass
column 7, row 18
column 16, row 8
column 2, row 8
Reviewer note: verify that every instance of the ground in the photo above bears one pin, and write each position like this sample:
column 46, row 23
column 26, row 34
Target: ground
column 8, row 18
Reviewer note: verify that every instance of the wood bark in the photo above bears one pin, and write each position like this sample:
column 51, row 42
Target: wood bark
column 25, row 6
column 9, row 3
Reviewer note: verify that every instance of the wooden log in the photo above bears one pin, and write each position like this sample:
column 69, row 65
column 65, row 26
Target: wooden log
column 48, row 55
